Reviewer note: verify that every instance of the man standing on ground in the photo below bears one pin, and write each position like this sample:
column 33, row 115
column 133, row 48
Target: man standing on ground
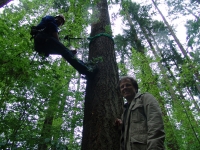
column 142, row 126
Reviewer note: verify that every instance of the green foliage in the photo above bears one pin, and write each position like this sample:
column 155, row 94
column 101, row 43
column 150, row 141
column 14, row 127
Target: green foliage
column 123, row 69
column 143, row 72
column 193, row 33
column 34, row 90
column 108, row 29
column 96, row 60
column 161, row 70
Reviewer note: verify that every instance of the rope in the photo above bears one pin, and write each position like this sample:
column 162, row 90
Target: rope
column 98, row 35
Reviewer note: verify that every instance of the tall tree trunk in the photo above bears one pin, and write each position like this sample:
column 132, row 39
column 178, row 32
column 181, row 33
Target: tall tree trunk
column 172, row 75
column 180, row 100
column 59, row 114
column 46, row 131
column 163, row 70
column 172, row 32
column 102, row 103
column 171, row 139
column 197, row 17
column 52, row 110
column 174, row 96
column 191, row 65
column 74, row 116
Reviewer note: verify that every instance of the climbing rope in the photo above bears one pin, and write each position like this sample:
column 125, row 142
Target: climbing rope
column 98, row 35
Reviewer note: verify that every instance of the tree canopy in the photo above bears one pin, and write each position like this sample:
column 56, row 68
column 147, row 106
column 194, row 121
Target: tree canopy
column 47, row 104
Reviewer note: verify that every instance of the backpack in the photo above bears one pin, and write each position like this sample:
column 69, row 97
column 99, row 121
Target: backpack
column 35, row 31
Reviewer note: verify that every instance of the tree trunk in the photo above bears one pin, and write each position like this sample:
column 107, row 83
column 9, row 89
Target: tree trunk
column 173, row 143
column 197, row 17
column 102, row 103
column 46, row 133
column 180, row 100
column 74, row 116
column 171, row 140
column 172, row 32
column 59, row 115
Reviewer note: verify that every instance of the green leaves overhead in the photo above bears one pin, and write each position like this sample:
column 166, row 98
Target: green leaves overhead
column 162, row 68
column 42, row 99
column 33, row 89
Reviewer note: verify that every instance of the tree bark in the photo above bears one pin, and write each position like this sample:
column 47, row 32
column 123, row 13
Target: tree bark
column 102, row 103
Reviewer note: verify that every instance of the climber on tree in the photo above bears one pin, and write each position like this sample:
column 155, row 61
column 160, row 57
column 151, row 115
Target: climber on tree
column 46, row 42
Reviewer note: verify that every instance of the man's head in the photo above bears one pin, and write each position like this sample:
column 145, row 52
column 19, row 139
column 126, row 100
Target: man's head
column 128, row 87
column 60, row 20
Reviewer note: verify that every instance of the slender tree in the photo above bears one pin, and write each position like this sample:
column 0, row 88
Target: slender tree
column 148, row 77
column 171, row 31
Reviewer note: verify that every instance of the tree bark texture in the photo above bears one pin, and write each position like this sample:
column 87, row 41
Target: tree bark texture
column 102, row 102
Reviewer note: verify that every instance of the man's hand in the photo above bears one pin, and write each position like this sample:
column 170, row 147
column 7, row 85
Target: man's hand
column 118, row 122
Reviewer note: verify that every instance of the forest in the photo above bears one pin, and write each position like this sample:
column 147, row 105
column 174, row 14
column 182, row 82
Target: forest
column 45, row 104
